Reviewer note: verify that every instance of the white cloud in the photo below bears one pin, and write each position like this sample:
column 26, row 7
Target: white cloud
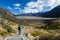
column 17, row 5
column 34, row 7
column 9, row 7
column 32, row 4
column 17, row 8
column 29, row 10
column 51, row 2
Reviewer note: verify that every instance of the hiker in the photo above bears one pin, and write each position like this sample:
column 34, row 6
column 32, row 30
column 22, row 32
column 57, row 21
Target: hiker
column 19, row 29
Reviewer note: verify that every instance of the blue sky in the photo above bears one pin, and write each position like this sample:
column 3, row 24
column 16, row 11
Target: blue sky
column 28, row 6
column 6, row 3
column 9, row 4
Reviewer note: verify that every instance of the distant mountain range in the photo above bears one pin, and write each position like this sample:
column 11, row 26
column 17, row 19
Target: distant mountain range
column 54, row 13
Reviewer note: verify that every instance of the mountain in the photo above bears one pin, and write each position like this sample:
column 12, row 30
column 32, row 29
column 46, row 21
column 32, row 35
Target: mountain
column 7, row 21
column 54, row 13
column 30, row 14
column 8, row 15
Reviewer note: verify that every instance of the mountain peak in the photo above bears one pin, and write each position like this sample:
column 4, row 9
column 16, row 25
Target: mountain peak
column 54, row 13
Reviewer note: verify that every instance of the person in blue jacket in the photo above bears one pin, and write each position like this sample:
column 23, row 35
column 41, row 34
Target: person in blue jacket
column 19, row 29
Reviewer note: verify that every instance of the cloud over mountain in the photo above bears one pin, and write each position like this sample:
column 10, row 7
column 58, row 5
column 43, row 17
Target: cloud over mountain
column 33, row 6
column 40, row 6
